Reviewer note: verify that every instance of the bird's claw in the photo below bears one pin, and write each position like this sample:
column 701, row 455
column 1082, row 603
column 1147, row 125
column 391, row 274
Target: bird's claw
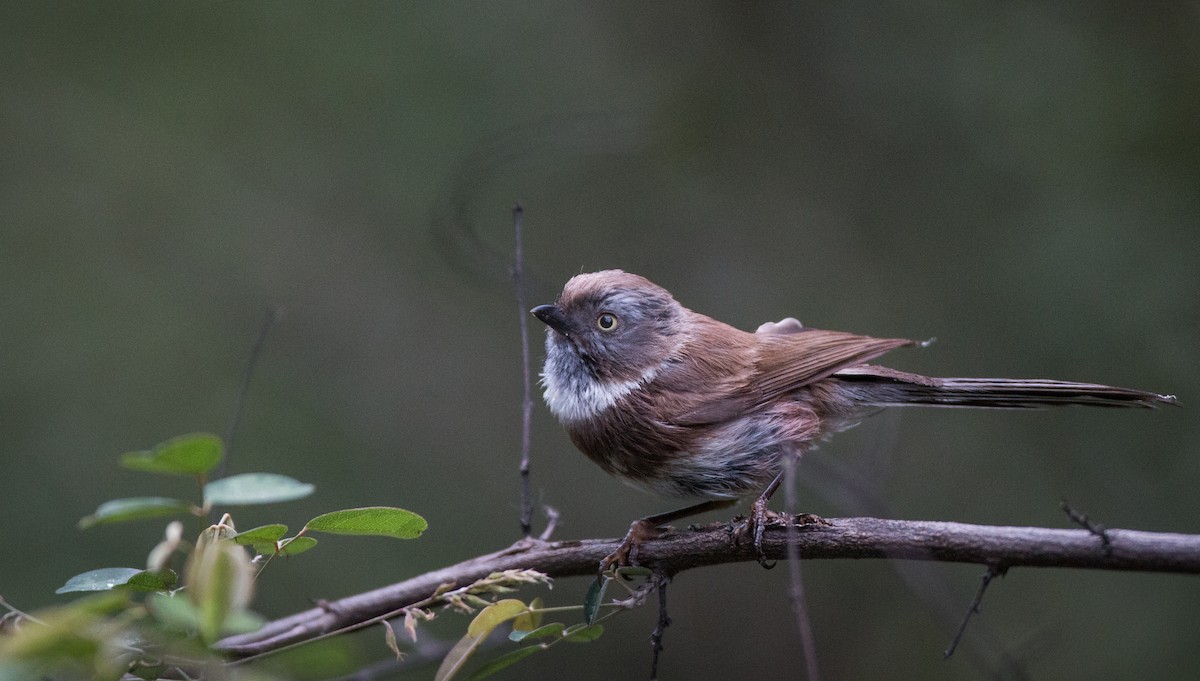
column 760, row 516
column 758, row 519
column 627, row 551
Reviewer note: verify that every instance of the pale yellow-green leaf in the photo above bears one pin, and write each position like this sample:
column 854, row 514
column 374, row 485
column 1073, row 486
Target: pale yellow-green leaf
column 529, row 620
column 488, row 619
column 220, row 581
column 494, row 615
column 457, row 657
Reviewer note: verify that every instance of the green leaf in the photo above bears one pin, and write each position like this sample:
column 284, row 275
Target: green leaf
column 295, row 545
column 264, row 540
column 483, row 624
column 551, row 629
column 382, row 521
column 192, row 454
column 581, row 633
column 494, row 615
column 255, row 488
column 175, row 612
column 178, row 613
column 152, row 580
column 506, row 660
column 457, row 657
column 101, row 579
column 220, row 581
column 266, row 534
column 631, row 571
column 134, row 508
column 530, row 619
column 595, row 594
column 265, row 549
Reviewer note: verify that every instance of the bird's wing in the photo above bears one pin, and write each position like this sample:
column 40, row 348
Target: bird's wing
column 787, row 362
column 784, row 362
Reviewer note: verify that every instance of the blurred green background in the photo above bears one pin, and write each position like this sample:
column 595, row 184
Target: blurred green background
column 1020, row 180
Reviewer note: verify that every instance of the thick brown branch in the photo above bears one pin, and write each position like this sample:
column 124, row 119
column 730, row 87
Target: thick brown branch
column 1000, row 547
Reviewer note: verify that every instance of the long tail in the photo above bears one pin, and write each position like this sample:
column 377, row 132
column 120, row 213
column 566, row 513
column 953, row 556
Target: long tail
column 880, row 386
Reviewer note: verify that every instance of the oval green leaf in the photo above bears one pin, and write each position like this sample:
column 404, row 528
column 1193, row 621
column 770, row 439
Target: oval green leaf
column 494, row 615
column 266, row 534
column 380, row 521
column 101, row 579
column 151, row 580
column 295, row 545
column 507, row 659
column 583, row 633
column 551, row 629
column 191, row 454
column 255, row 488
column 595, row 594
column 134, row 508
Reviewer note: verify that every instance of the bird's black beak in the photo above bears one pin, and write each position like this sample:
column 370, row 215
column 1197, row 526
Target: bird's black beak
column 552, row 317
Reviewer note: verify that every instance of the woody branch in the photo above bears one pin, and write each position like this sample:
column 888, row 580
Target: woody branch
column 994, row 546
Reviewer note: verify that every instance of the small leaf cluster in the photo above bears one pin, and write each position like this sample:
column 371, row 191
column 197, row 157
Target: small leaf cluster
column 528, row 625
column 149, row 621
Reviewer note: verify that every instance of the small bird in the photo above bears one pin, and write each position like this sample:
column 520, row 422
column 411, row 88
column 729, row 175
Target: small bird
column 683, row 405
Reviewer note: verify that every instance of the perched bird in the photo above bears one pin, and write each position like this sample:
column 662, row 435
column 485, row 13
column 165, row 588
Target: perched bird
column 683, row 405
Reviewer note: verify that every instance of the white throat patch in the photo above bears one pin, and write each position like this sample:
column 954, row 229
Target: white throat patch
column 573, row 395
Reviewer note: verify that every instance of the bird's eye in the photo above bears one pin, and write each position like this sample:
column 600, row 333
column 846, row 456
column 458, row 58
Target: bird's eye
column 607, row 321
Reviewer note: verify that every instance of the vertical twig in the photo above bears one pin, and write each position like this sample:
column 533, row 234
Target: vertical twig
column 808, row 644
column 993, row 571
column 235, row 413
column 518, row 275
column 664, row 620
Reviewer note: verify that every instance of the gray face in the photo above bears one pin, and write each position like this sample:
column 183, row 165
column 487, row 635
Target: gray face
column 608, row 332
column 616, row 332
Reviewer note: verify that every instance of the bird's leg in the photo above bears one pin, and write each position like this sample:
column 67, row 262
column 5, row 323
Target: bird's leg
column 648, row 528
column 760, row 515
column 758, row 519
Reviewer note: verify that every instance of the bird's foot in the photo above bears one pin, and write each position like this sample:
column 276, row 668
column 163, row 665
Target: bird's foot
column 627, row 552
column 760, row 517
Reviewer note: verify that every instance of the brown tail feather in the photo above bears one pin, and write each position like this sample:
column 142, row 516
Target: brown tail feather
column 879, row 386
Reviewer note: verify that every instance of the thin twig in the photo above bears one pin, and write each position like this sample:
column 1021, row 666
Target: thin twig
column 14, row 610
column 855, row 488
column 993, row 571
column 235, row 413
column 1081, row 519
column 808, row 645
column 664, row 620
column 518, row 274
column 551, row 514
